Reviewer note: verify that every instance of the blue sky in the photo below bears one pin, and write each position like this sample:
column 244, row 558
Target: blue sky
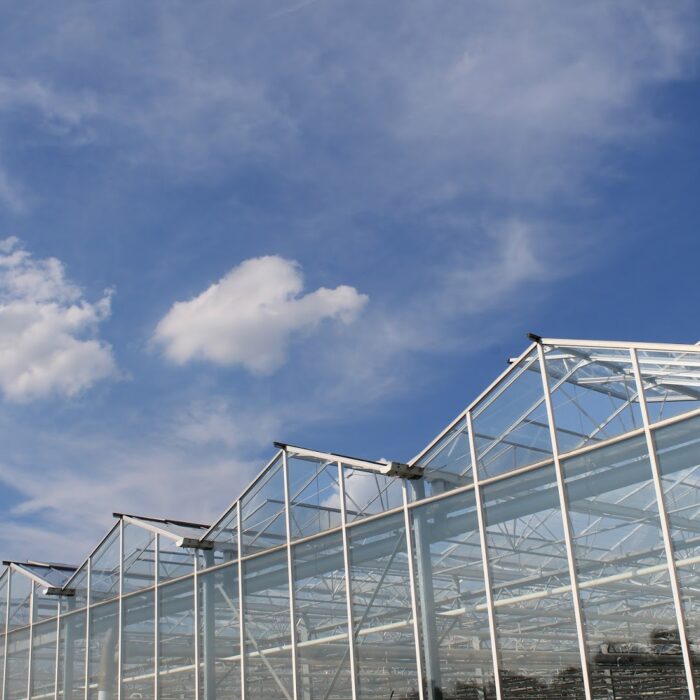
column 321, row 222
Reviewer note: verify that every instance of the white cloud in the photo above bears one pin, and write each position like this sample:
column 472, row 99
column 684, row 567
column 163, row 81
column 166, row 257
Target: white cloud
column 249, row 316
column 47, row 328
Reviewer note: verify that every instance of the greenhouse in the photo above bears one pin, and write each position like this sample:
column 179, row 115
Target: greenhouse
column 545, row 545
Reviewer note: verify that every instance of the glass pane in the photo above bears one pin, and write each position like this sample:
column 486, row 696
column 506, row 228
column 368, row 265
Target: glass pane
column 535, row 625
column 20, row 600
column 104, row 569
column 314, row 496
column 381, row 609
column 369, row 494
column 594, row 394
column 43, row 660
column 267, row 627
column 173, row 561
column 220, row 672
column 4, row 578
column 225, row 534
column 139, row 558
column 510, row 422
column 448, row 463
column 176, row 641
column 17, row 671
column 262, row 512
column 630, row 620
column 678, row 451
column 71, row 657
column 79, row 585
column 671, row 382
column 454, row 619
column 322, row 618
column 103, row 657
column 45, row 606
column 138, row 646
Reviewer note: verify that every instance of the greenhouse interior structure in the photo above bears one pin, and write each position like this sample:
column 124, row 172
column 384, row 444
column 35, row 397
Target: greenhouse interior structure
column 545, row 545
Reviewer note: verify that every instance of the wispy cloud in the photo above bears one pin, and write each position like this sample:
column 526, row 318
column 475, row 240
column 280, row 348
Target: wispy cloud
column 47, row 329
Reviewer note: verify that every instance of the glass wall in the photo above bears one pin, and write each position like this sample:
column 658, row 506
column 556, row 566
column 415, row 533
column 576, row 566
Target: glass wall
column 514, row 568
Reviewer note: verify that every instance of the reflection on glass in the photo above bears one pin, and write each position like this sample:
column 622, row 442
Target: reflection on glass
column 678, row 450
column 535, row 625
column 671, row 380
column 138, row 646
column 20, row 600
column 43, row 660
column 314, row 496
column 103, row 652
column 219, row 634
column 268, row 647
column 594, row 394
column 262, row 511
column 626, row 598
column 453, row 617
column 368, row 494
column 104, row 569
column 381, row 609
column 321, row 620
column 71, row 656
column 139, row 558
column 173, row 561
column 510, row 422
column 45, row 606
column 176, row 660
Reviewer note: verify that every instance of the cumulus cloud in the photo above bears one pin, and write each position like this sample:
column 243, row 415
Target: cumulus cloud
column 47, row 329
column 249, row 316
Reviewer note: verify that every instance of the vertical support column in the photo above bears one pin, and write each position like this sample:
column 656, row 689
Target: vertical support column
column 208, row 621
column 120, row 609
column 58, row 648
column 484, row 557
column 290, row 573
column 412, row 584
column 241, row 608
column 7, row 630
column 31, row 639
column 195, row 580
column 68, row 657
column 426, row 592
column 156, row 617
column 568, row 535
column 348, row 589
column 88, row 615
column 665, row 527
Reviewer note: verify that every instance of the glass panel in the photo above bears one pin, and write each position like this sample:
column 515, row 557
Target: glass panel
column 678, row 450
column 267, row 630
column 671, row 382
column 103, row 658
column 510, row 422
column 262, row 511
column 323, row 650
column 630, row 620
column 454, row 620
column 4, row 578
column 138, row 646
column 225, row 535
column 104, row 571
column 139, row 558
column 538, row 644
column 20, row 600
column 71, row 657
column 314, row 496
column 43, row 660
column 594, row 394
column 173, row 561
column 220, row 672
column 448, row 463
column 176, row 641
column 45, row 606
column 381, row 609
column 17, row 664
column 78, row 584
column 369, row 494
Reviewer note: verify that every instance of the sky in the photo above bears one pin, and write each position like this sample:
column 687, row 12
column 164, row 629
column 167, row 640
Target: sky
column 321, row 222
